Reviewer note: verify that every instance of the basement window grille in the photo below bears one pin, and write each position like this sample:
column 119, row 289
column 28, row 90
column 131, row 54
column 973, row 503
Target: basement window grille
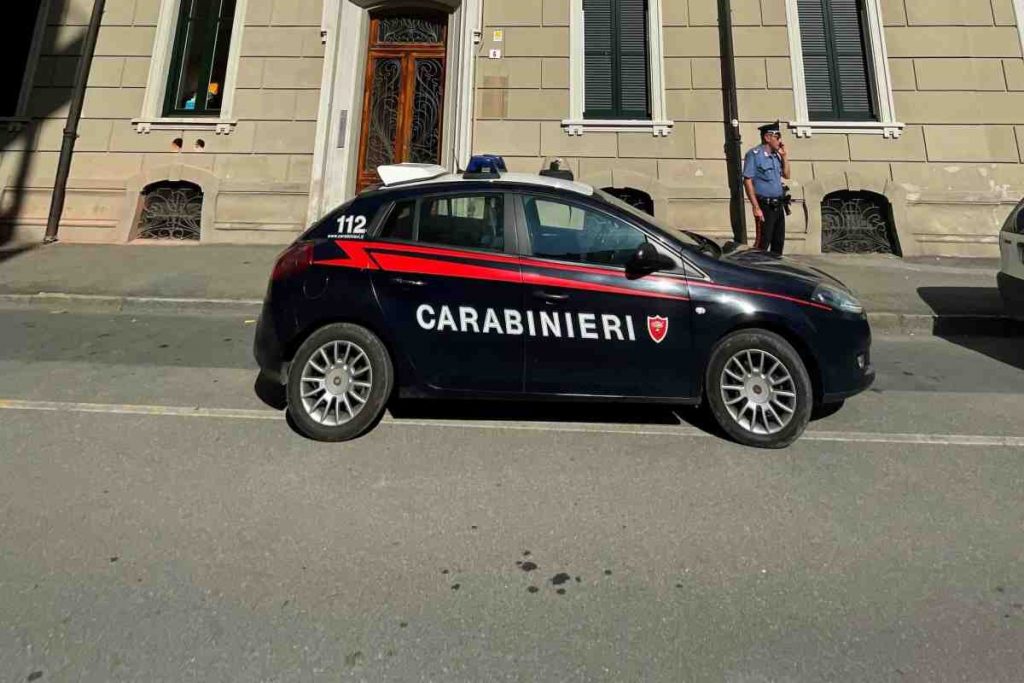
column 858, row 223
column 171, row 211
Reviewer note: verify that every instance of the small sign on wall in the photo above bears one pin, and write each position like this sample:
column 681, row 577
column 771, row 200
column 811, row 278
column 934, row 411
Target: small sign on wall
column 495, row 54
column 499, row 35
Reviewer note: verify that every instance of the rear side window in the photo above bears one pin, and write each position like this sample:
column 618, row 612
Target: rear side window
column 472, row 221
column 400, row 222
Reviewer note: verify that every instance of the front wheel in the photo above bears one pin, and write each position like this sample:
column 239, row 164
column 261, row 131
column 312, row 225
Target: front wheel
column 339, row 383
column 758, row 389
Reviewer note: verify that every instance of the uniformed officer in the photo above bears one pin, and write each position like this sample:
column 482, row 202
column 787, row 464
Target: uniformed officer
column 764, row 169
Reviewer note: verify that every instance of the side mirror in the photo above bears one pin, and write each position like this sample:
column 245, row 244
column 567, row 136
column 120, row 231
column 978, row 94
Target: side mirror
column 647, row 259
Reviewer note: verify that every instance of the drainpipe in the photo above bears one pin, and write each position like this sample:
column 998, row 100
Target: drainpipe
column 733, row 140
column 67, row 150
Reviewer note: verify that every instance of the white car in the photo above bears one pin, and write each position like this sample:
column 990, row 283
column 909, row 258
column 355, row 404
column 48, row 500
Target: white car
column 1011, row 275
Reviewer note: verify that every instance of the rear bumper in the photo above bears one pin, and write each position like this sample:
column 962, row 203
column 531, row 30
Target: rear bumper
column 268, row 349
column 1012, row 291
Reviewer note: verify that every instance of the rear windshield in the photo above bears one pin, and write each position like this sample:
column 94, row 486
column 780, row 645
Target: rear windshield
column 1015, row 221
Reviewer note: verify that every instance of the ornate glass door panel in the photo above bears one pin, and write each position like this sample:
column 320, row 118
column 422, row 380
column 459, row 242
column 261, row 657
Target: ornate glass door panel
column 427, row 111
column 403, row 103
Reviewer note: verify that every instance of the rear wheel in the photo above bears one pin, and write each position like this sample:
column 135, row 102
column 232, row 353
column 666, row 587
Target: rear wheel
column 339, row 383
column 758, row 389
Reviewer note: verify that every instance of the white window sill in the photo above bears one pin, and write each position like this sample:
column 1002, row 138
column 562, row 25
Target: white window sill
column 580, row 126
column 219, row 126
column 887, row 129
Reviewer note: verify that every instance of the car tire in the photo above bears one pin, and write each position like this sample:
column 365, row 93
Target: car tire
column 758, row 389
column 339, row 383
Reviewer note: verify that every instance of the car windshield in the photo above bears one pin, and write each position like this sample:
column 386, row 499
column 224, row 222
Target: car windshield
column 685, row 238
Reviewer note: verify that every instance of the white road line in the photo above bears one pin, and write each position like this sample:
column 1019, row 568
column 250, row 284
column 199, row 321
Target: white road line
column 554, row 427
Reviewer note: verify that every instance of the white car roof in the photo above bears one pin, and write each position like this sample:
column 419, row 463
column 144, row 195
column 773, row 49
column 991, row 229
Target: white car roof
column 421, row 175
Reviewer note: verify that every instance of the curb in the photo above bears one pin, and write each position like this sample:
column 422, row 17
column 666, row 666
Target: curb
column 882, row 324
column 87, row 303
column 927, row 325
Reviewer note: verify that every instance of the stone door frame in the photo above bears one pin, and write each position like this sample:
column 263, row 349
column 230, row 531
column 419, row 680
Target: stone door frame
column 346, row 33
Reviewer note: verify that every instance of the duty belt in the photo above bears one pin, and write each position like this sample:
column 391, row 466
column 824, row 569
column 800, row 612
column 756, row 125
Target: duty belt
column 770, row 201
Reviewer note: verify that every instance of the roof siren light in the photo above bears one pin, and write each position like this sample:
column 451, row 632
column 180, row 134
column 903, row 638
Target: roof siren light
column 555, row 170
column 485, row 166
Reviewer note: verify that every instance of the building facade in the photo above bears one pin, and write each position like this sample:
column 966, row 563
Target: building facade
column 229, row 121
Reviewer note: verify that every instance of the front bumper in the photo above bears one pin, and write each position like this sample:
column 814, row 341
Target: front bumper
column 844, row 355
column 863, row 384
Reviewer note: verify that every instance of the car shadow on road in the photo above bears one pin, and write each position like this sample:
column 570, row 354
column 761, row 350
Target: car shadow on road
column 275, row 396
column 974, row 318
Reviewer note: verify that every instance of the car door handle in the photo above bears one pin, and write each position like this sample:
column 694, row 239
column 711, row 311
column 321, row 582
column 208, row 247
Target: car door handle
column 549, row 296
column 408, row 283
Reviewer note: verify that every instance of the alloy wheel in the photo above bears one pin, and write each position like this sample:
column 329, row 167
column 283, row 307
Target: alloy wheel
column 336, row 383
column 759, row 392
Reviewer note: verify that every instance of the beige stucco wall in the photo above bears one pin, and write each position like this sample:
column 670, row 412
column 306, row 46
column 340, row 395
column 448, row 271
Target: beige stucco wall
column 256, row 178
column 958, row 81
column 957, row 71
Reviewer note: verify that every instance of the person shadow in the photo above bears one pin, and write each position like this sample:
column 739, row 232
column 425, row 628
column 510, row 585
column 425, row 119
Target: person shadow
column 47, row 97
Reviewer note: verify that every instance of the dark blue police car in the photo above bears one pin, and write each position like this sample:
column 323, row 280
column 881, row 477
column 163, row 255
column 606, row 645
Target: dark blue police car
column 515, row 286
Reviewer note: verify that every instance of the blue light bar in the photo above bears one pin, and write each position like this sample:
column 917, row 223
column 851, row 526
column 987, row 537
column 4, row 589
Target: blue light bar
column 484, row 165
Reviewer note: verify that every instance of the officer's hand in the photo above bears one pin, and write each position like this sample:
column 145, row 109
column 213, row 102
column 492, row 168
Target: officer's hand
column 758, row 214
column 783, row 152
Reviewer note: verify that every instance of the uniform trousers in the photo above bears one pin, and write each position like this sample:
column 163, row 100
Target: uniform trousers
column 771, row 233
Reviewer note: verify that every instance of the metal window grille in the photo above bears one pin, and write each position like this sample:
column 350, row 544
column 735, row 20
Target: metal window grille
column 858, row 223
column 171, row 211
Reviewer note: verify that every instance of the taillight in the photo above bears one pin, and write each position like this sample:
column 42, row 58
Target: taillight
column 297, row 259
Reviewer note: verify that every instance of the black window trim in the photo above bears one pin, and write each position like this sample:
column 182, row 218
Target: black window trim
column 508, row 218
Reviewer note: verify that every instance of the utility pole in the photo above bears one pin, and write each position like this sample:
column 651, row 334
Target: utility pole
column 67, row 149
column 733, row 139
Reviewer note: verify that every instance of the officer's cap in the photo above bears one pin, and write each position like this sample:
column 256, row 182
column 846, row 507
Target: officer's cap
column 772, row 128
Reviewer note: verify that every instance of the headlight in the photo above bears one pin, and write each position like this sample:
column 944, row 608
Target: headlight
column 837, row 299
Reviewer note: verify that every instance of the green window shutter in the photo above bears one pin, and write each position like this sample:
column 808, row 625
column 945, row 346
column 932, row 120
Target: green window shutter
column 599, row 58
column 195, row 84
column 616, row 59
column 837, row 67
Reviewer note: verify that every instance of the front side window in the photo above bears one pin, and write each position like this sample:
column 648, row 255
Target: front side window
column 837, row 60
column 569, row 232
column 199, row 63
column 473, row 221
column 616, row 59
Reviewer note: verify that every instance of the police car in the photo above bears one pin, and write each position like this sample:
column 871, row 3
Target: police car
column 1011, row 274
column 502, row 285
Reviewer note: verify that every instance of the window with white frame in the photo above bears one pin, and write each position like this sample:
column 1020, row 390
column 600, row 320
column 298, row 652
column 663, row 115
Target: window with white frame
column 616, row 81
column 195, row 63
column 22, row 33
column 840, row 68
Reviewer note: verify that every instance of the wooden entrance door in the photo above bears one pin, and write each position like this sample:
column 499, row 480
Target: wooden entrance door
column 403, row 103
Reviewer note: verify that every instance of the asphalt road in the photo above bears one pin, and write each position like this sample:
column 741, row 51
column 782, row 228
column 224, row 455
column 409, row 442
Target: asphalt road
column 159, row 521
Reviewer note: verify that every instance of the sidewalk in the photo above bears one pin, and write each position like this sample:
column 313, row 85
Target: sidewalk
column 918, row 296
